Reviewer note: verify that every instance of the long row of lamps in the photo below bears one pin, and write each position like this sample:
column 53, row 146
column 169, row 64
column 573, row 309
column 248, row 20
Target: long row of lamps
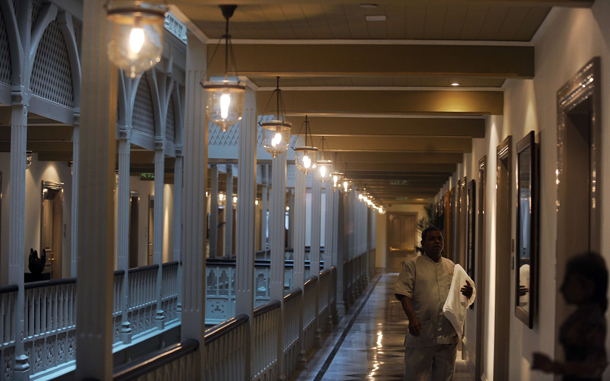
column 135, row 45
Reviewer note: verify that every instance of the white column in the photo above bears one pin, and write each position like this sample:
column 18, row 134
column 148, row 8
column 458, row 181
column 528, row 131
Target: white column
column 177, row 243
column 290, row 218
column 246, row 216
column 316, row 232
column 264, row 197
column 158, row 227
column 194, row 207
column 298, row 278
column 329, row 243
column 214, row 212
column 74, row 204
column 341, row 250
column 229, row 212
column 277, row 244
column 123, row 229
column 96, row 205
column 16, row 228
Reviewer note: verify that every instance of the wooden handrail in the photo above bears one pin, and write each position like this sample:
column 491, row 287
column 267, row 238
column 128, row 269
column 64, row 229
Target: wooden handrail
column 155, row 360
column 7, row 289
column 174, row 263
column 143, row 268
column 54, row 282
column 270, row 306
column 292, row 294
column 219, row 330
column 310, row 281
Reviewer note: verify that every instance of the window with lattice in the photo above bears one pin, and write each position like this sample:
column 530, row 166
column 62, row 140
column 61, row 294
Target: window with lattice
column 52, row 72
column 5, row 53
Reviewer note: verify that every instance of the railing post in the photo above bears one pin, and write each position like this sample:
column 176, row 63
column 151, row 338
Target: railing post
column 246, row 217
column 300, row 192
column 177, row 244
column 213, row 228
column 123, row 228
column 277, row 244
column 316, row 232
column 158, row 225
column 228, row 244
column 96, row 205
column 194, row 208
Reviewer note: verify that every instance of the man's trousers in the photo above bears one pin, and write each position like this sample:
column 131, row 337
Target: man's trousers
column 433, row 363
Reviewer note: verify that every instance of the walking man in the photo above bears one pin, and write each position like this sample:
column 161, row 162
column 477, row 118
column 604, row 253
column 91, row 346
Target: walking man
column 422, row 288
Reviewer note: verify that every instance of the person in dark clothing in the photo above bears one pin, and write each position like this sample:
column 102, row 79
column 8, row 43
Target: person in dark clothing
column 582, row 334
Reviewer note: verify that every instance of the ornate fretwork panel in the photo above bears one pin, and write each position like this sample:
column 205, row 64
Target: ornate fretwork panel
column 52, row 73
column 143, row 116
column 230, row 138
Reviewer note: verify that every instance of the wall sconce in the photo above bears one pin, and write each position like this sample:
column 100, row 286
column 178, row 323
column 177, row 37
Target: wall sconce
column 234, row 201
column 222, row 198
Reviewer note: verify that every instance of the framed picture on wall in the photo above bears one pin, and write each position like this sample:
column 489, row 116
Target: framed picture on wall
column 471, row 229
column 527, row 230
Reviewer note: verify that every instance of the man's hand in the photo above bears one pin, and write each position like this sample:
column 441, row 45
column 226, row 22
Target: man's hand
column 467, row 290
column 414, row 327
column 542, row 362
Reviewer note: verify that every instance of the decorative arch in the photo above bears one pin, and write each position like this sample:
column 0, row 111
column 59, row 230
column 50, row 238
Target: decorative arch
column 170, row 121
column 5, row 53
column 14, row 42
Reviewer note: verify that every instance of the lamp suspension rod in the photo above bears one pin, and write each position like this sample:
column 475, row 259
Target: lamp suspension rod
column 278, row 98
column 227, row 36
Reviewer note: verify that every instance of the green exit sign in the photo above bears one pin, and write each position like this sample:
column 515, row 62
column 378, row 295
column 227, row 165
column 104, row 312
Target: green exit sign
column 398, row 182
column 147, row 176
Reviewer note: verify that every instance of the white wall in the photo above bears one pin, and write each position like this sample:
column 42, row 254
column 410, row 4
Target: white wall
column 381, row 244
column 568, row 39
column 38, row 171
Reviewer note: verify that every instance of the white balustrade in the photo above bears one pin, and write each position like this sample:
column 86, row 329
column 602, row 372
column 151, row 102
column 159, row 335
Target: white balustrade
column 324, row 305
column 309, row 313
column 50, row 323
column 8, row 296
column 142, row 298
column 169, row 291
column 117, row 312
column 292, row 306
column 265, row 337
column 226, row 350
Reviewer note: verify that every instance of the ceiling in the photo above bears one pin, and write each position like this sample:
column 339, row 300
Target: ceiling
column 381, row 92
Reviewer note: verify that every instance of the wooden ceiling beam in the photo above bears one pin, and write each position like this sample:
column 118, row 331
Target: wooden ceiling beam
column 401, row 157
column 378, row 59
column 400, row 143
column 402, row 167
column 390, row 103
column 527, row 3
column 442, row 127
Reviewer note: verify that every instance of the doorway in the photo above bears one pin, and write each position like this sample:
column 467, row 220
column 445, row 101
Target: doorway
column 401, row 231
column 480, row 349
column 151, row 228
column 51, row 226
column 578, row 186
column 503, row 258
column 134, row 200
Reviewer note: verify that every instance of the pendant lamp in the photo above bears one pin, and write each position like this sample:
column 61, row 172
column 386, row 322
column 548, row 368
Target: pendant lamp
column 224, row 100
column 276, row 133
column 325, row 165
column 306, row 157
column 135, row 34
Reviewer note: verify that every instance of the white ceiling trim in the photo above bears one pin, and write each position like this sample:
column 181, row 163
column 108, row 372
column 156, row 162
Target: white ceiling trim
column 377, row 42
column 381, row 88
column 189, row 24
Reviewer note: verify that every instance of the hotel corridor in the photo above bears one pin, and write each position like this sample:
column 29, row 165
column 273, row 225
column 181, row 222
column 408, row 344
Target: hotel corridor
column 368, row 343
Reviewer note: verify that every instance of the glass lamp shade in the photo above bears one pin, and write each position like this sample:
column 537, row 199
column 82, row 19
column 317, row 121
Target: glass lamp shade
column 346, row 186
column 135, row 35
column 224, row 103
column 234, row 201
column 222, row 198
column 324, row 170
column 276, row 136
column 337, row 179
column 306, row 158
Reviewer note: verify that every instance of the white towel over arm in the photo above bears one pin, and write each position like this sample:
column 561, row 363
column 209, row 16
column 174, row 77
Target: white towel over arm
column 456, row 303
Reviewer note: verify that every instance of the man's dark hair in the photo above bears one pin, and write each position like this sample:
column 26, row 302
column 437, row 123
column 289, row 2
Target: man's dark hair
column 430, row 228
column 591, row 266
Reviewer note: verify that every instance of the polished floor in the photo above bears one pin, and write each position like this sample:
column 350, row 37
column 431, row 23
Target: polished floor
column 368, row 342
